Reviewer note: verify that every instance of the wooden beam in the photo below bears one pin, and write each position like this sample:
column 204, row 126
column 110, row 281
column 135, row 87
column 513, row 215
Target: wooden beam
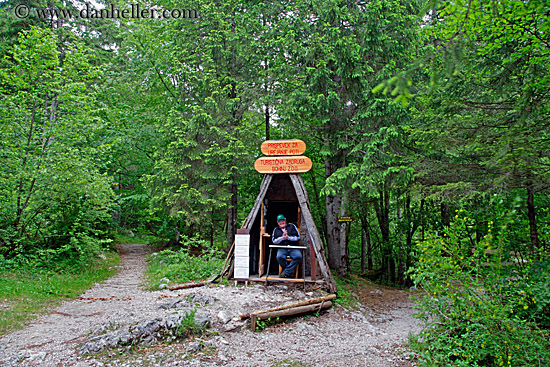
column 312, row 230
column 188, row 285
column 259, row 200
column 261, row 242
column 306, row 302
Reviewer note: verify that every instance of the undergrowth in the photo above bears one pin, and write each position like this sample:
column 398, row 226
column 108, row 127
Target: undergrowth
column 180, row 266
column 345, row 296
column 481, row 305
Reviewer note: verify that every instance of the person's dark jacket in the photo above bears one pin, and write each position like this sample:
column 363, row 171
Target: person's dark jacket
column 293, row 235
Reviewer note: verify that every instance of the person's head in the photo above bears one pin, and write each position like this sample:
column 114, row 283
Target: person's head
column 281, row 221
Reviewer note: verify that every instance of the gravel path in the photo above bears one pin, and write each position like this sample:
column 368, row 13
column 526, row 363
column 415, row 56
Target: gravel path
column 370, row 336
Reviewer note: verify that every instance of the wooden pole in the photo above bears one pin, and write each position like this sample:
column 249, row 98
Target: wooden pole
column 261, row 241
column 188, row 285
column 296, row 304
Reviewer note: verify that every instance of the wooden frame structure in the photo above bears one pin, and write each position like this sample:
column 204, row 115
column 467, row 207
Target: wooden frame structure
column 305, row 217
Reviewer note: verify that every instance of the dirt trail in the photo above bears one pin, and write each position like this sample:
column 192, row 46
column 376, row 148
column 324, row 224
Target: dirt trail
column 370, row 336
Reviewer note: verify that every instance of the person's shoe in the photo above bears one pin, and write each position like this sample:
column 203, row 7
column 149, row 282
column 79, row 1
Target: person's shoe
column 283, row 275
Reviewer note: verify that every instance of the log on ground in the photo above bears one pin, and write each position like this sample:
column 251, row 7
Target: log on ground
column 289, row 312
column 187, row 285
column 296, row 304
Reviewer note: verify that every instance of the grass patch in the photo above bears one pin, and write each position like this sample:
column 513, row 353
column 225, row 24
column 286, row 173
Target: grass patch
column 179, row 266
column 28, row 293
column 139, row 239
column 345, row 296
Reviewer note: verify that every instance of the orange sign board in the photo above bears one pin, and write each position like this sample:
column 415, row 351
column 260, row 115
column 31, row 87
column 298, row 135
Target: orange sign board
column 283, row 147
column 283, row 164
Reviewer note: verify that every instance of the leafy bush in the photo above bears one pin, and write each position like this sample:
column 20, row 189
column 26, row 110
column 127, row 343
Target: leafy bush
column 482, row 305
column 181, row 266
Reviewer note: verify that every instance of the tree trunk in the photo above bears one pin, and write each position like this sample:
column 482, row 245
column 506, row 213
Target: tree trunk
column 363, row 246
column 177, row 233
column 235, row 121
column 318, row 204
column 366, row 246
column 532, row 219
column 335, row 207
column 382, row 208
column 401, row 247
column 212, row 227
column 445, row 214
column 336, row 234
column 232, row 213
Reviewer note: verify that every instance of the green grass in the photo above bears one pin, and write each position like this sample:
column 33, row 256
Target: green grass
column 139, row 239
column 345, row 297
column 180, row 267
column 27, row 293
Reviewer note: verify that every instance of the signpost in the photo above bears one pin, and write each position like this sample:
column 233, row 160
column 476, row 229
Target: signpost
column 345, row 219
column 283, row 157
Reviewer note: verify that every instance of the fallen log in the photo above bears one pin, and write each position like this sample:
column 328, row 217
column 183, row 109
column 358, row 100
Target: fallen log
column 289, row 312
column 297, row 304
column 187, row 285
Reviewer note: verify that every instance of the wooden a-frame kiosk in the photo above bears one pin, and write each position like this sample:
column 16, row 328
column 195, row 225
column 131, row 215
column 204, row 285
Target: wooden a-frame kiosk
column 280, row 193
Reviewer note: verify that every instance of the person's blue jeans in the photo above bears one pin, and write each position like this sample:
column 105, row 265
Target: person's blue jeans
column 296, row 256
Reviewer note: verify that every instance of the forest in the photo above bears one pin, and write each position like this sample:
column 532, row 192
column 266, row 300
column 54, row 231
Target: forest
column 428, row 123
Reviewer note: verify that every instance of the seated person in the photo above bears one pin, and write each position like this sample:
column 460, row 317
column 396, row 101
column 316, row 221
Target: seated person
column 286, row 234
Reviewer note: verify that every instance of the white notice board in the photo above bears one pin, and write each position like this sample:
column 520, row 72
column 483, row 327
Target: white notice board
column 242, row 256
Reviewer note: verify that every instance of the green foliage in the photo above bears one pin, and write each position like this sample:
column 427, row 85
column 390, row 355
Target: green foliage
column 182, row 266
column 263, row 324
column 484, row 304
column 128, row 238
column 28, row 289
column 53, row 199
column 188, row 326
column 345, row 296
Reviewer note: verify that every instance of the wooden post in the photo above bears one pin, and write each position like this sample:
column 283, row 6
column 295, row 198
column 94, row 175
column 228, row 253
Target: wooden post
column 261, row 242
column 313, row 260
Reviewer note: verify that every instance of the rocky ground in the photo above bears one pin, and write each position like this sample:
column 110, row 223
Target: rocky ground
column 98, row 327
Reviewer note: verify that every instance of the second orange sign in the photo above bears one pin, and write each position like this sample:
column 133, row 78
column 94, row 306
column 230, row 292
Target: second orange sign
column 292, row 164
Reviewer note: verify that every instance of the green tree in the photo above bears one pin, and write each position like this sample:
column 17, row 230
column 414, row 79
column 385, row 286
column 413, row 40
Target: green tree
column 208, row 135
column 340, row 49
column 490, row 114
column 51, row 193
